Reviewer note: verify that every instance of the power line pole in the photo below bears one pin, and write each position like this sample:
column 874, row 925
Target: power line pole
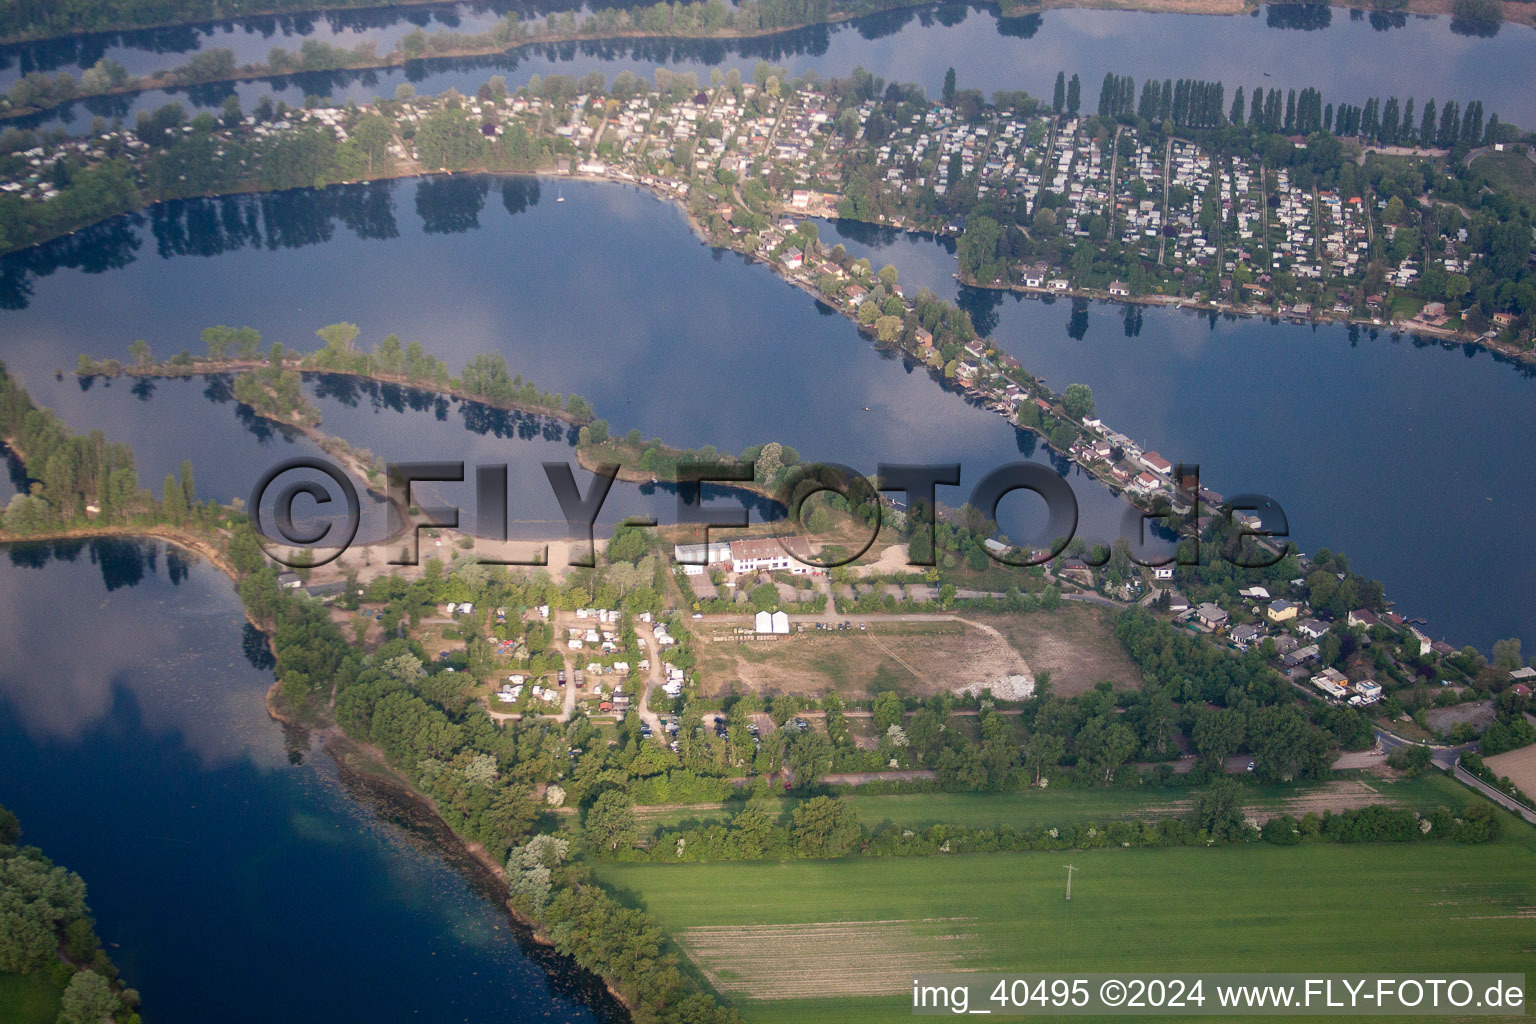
column 1070, row 868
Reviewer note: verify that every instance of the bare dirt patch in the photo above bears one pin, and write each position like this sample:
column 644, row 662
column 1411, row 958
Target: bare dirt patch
column 1519, row 766
column 914, row 657
column 829, row 958
column 892, row 559
column 1076, row 644
column 1478, row 713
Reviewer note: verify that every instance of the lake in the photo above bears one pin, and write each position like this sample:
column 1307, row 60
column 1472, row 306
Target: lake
column 1404, row 453
column 1350, row 55
column 136, row 749
column 233, row 871
column 608, row 295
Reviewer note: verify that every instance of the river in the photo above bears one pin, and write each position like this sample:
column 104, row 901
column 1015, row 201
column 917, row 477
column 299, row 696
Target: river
column 232, row 870
column 1350, row 55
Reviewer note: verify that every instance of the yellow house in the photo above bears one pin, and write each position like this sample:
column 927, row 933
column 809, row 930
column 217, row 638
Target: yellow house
column 1281, row 611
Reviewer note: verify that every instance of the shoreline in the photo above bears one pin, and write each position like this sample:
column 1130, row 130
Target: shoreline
column 337, row 743
column 662, row 193
column 1322, row 318
column 1512, row 12
column 202, row 367
column 363, row 766
column 1214, row 8
column 665, row 194
column 397, row 59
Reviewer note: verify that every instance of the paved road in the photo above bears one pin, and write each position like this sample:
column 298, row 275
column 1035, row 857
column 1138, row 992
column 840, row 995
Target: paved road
column 1484, row 150
column 1444, row 757
column 1499, row 798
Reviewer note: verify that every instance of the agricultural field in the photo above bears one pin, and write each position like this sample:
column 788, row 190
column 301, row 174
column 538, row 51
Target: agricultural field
column 836, row 941
column 28, row 999
column 1519, row 766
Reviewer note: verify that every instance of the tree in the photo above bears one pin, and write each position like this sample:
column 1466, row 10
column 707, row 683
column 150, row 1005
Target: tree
column 530, row 869
column 339, row 337
column 1044, row 750
column 610, row 821
column 1074, row 95
column 1217, row 732
column 1476, row 824
column 980, row 250
column 1485, row 12
column 1059, row 93
column 888, row 710
column 139, row 350
column 824, row 827
column 88, row 1000
column 1105, row 745
column 173, row 500
column 447, row 140
column 1286, row 746
column 1077, row 400
column 949, row 86
column 373, row 136
column 1218, row 811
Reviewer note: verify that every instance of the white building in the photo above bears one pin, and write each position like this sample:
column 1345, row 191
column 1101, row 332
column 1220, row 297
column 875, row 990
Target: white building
column 773, row 554
column 695, row 557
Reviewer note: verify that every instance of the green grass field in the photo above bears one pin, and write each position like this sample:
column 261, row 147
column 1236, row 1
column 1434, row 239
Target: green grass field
column 1514, row 173
column 28, row 999
column 820, row 936
column 1034, row 807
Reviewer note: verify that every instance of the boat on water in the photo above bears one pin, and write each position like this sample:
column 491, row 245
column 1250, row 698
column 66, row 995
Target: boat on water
column 560, row 195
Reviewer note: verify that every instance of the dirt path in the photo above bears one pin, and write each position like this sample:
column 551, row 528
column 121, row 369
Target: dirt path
column 862, row 778
column 653, row 679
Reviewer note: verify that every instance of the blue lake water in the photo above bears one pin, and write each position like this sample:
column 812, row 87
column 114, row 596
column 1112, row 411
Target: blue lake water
column 1350, row 55
column 231, row 870
column 1406, row 456
column 608, row 295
